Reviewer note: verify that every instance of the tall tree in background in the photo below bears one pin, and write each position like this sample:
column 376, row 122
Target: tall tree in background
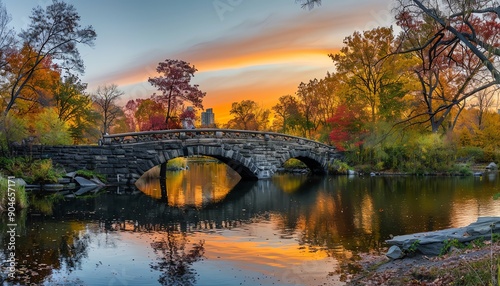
column 309, row 99
column 470, row 23
column 150, row 115
column 374, row 77
column 175, row 86
column 38, row 87
column 248, row 115
column 74, row 107
column 7, row 36
column 105, row 99
column 53, row 34
column 448, row 71
column 287, row 113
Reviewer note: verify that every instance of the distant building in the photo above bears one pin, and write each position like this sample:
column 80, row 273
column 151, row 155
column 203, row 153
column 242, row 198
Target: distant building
column 208, row 118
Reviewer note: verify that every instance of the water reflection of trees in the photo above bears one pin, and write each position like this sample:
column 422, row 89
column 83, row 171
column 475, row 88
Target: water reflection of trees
column 48, row 247
column 175, row 259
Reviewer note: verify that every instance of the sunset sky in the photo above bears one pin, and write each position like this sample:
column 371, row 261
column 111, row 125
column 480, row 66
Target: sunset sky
column 243, row 49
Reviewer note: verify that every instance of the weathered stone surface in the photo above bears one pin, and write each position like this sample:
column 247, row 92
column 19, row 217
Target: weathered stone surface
column 492, row 166
column 84, row 182
column 431, row 243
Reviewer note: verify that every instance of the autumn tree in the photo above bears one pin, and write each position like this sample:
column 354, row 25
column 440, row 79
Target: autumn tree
column 129, row 111
column 472, row 24
column 105, row 99
column 309, row 99
column 52, row 35
column 329, row 91
column 286, row 114
column 374, row 77
column 248, row 115
column 482, row 102
column 38, row 88
column 50, row 130
column 348, row 126
column 175, row 86
column 448, row 71
column 74, row 107
column 150, row 115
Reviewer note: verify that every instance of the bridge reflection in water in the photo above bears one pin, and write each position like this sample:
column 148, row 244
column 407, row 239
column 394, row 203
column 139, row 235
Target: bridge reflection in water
column 206, row 181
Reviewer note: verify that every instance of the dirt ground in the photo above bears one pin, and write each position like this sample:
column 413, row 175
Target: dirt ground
column 460, row 267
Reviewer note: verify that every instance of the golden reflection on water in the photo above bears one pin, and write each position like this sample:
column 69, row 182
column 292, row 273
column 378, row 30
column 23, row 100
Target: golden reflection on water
column 202, row 183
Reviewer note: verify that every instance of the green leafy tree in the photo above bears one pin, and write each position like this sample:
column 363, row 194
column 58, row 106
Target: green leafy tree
column 74, row 107
column 50, row 130
column 287, row 114
column 374, row 77
column 14, row 129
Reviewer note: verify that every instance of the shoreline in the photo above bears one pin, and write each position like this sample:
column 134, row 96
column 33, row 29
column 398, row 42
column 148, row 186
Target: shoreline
column 457, row 267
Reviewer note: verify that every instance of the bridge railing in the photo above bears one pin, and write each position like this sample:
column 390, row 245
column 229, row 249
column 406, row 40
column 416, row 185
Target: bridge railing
column 182, row 134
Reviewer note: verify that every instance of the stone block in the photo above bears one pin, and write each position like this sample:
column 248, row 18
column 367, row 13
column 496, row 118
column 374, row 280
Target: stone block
column 119, row 151
column 100, row 158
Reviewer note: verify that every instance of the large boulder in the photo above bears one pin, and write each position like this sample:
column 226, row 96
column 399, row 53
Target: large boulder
column 432, row 243
column 491, row 166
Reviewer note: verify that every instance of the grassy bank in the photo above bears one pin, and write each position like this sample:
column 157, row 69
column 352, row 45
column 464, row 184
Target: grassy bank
column 12, row 193
column 472, row 266
column 32, row 171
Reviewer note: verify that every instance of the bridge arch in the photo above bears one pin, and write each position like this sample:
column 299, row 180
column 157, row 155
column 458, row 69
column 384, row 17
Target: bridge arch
column 243, row 165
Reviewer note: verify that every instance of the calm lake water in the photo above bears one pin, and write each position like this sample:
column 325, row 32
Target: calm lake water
column 210, row 229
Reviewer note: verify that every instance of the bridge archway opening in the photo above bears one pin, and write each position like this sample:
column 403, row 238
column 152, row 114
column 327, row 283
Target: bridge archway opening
column 301, row 162
column 189, row 181
column 242, row 167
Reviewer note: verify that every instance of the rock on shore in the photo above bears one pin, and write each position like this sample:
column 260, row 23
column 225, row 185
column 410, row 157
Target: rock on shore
column 431, row 243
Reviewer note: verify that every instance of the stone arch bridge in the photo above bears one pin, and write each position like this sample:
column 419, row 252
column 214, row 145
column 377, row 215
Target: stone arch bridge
column 253, row 154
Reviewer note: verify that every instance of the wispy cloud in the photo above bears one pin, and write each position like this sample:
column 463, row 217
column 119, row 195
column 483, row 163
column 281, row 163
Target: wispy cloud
column 258, row 59
column 267, row 41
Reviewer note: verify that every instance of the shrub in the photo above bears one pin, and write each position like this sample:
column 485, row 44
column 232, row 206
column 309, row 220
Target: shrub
column 338, row 167
column 294, row 164
column 91, row 174
column 31, row 170
column 470, row 154
column 175, row 164
column 448, row 244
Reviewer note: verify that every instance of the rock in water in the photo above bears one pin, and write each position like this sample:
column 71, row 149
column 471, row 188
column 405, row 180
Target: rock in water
column 85, row 182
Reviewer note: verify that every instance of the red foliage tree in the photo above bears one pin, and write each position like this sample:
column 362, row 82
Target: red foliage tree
column 149, row 115
column 175, row 86
column 347, row 126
